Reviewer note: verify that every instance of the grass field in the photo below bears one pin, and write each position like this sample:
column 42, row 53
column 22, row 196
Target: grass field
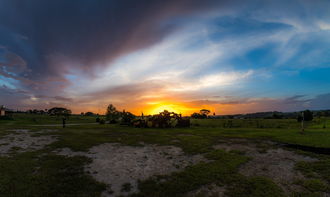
column 42, row 172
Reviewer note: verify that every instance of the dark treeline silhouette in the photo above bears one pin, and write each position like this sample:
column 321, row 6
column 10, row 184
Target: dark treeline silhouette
column 274, row 115
column 115, row 116
column 164, row 119
column 203, row 113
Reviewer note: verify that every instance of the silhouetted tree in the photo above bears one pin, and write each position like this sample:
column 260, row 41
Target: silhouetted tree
column 126, row 117
column 112, row 114
column 277, row 115
column 59, row 111
column 198, row 116
column 308, row 116
column 89, row 114
column 201, row 115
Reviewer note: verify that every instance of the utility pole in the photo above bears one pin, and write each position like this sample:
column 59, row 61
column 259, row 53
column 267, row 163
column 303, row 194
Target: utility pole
column 302, row 122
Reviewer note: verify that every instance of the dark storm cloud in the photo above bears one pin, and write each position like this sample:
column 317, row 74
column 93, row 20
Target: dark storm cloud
column 55, row 36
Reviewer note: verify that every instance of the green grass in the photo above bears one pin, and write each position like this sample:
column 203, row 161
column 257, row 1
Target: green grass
column 42, row 173
column 33, row 174
column 38, row 119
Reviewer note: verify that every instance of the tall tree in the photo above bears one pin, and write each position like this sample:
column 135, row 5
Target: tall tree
column 112, row 114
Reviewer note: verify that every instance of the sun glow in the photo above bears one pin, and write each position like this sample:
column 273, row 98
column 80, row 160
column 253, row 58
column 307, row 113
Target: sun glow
column 161, row 108
column 179, row 108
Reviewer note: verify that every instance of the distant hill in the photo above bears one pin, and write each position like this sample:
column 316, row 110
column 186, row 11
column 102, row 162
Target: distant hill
column 272, row 115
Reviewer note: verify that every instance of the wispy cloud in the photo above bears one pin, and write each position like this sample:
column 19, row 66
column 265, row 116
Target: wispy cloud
column 179, row 51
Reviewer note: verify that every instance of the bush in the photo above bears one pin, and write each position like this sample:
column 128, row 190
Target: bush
column 6, row 118
column 102, row 121
column 308, row 116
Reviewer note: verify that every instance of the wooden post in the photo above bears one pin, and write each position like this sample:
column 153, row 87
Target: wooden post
column 302, row 122
column 63, row 121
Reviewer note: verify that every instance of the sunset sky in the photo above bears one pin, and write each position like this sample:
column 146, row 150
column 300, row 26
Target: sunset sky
column 150, row 55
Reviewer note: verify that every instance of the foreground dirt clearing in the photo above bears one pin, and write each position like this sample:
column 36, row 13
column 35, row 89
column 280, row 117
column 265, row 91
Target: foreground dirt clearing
column 270, row 161
column 23, row 141
column 211, row 190
column 120, row 167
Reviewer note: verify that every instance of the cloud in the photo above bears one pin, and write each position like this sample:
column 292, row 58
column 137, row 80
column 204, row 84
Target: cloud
column 218, row 80
column 92, row 52
column 236, row 105
column 86, row 33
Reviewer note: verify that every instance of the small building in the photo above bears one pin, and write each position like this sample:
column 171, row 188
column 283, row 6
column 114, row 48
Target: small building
column 2, row 110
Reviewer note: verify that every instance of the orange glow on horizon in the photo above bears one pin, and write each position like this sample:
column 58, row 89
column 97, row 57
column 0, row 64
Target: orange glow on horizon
column 179, row 108
column 169, row 107
column 152, row 108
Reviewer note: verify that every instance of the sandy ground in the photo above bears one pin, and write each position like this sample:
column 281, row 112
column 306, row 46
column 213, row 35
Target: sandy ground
column 117, row 165
column 211, row 190
column 23, row 140
column 275, row 163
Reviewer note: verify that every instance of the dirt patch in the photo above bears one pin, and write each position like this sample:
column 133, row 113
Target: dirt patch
column 269, row 161
column 120, row 167
column 211, row 190
column 22, row 141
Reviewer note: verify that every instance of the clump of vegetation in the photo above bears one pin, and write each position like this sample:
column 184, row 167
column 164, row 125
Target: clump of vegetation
column 102, row 121
column 126, row 187
column 59, row 111
column 126, row 118
column 114, row 116
column 164, row 119
column 305, row 116
column 254, row 187
column 317, row 169
column 203, row 113
column 315, row 185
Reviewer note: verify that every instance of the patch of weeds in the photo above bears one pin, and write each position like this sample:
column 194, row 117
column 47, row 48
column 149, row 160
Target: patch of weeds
column 38, row 175
column 238, row 152
column 109, row 190
column 38, row 134
column 315, row 185
column 222, row 171
column 308, row 154
column 254, row 187
column 307, row 194
column 193, row 177
column 126, row 187
column 14, row 149
column 317, row 169
column 262, row 151
column 195, row 144
column 319, row 172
